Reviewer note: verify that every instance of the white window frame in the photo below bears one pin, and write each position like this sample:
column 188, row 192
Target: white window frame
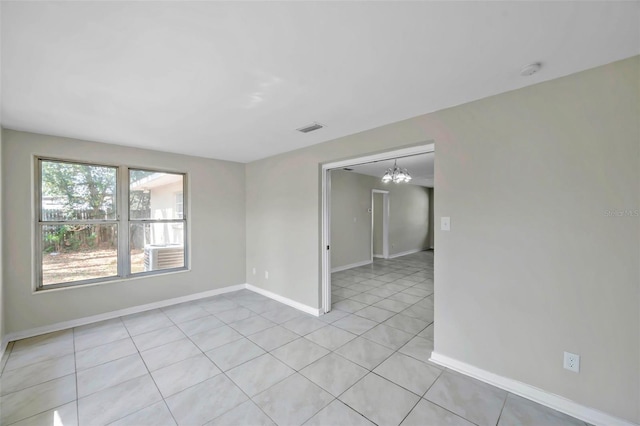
column 122, row 222
column 182, row 219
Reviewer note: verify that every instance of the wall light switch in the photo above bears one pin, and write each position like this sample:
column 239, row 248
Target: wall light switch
column 445, row 223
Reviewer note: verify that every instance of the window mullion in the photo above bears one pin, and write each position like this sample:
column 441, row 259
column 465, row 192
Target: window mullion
column 123, row 222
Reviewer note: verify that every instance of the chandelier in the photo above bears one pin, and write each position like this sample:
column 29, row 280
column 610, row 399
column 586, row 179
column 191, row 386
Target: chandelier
column 396, row 174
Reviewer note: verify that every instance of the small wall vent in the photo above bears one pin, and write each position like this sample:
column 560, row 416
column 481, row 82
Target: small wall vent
column 311, row 127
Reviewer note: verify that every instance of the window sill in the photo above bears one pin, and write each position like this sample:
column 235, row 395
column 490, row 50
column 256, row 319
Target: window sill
column 111, row 281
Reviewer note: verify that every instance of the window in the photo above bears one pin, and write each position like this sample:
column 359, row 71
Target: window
column 179, row 204
column 156, row 228
column 84, row 210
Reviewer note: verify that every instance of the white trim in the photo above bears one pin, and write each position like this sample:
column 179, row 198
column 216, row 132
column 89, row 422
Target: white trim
column 421, row 148
column 325, row 267
column 385, row 222
column 325, row 232
column 351, row 266
column 299, row 306
column 38, row 293
column 3, row 347
column 548, row 399
column 64, row 325
column 115, row 314
column 378, row 256
column 404, row 253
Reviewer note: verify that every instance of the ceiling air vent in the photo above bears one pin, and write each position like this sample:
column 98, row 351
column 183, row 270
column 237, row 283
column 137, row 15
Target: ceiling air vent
column 311, row 127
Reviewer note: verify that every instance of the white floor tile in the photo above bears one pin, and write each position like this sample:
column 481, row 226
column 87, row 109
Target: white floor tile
column 110, row 374
column 293, row 401
column 170, row 353
column 33, row 374
column 118, row 401
column 205, row 401
column 105, row 353
column 184, row 374
column 37, row 399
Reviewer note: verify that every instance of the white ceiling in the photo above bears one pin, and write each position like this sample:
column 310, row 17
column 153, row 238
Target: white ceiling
column 420, row 167
column 232, row 80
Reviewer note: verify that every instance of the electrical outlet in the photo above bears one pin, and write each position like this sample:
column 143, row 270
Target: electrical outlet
column 254, row 271
column 266, row 275
column 572, row 362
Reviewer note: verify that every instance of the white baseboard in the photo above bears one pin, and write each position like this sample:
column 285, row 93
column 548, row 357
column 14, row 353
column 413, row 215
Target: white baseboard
column 115, row 314
column 10, row 337
column 299, row 306
column 3, row 347
column 404, row 253
column 378, row 256
column 350, row 266
column 557, row 402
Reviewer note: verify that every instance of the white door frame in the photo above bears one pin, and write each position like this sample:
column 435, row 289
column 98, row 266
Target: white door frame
column 385, row 221
column 325, row 237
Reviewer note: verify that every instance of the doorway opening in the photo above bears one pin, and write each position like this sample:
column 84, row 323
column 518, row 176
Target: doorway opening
column 326, row 180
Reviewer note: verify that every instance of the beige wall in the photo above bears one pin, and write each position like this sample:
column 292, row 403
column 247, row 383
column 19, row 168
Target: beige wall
column 2, row 312
column 350, row 218
column 216, row 218
column 532, row 266
column 2, row 299
column 408, row 217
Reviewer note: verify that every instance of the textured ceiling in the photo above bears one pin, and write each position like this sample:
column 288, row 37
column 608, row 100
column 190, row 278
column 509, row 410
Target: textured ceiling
column 232, row 80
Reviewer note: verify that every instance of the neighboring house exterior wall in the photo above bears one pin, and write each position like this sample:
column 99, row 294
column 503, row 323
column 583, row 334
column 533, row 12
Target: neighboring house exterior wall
column 164, row 205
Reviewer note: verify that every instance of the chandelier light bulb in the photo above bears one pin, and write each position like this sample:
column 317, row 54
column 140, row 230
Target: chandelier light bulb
column 396, row 174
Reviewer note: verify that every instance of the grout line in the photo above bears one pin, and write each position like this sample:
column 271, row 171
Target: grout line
column 446, row 409
column 43, row 382
column 395, row 351
column 5, row 357
column 150, row 375
column 39, row 412
column 504, row 403
column 275, row 324
column 431, row 385
column 221, row 372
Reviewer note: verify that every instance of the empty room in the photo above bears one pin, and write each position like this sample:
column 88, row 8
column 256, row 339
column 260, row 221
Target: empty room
column 320, row 213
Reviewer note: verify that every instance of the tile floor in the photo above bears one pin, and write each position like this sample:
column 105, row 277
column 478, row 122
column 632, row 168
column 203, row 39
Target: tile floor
column 242, row 359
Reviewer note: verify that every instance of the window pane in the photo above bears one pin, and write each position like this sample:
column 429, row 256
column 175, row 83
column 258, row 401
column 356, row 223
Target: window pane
column 179, row 205
column 72, row 191
column 78, row 252
column 152, row 195
column 156, row 246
